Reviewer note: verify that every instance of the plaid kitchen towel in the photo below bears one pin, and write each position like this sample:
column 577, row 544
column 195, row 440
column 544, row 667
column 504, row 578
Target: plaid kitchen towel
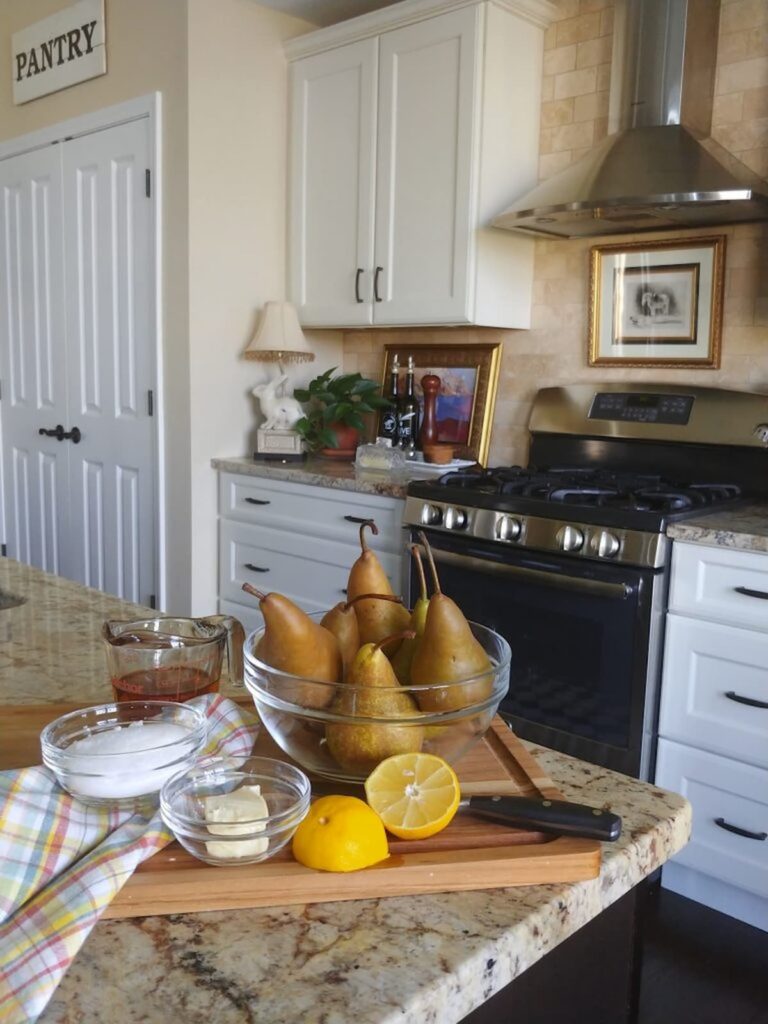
column 62, row 862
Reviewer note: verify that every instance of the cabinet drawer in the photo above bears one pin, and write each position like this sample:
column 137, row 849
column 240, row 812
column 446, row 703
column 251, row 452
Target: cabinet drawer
column 703, row 662
column 303, row 509
column 736, row 794
column 310, row 572
column 720, row 583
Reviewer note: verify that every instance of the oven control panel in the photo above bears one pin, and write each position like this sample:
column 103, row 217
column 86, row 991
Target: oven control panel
column 639, row 407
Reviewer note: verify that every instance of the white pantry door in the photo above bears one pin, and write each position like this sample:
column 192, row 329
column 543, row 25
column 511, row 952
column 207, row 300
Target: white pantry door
column 33, row 361
column 100, row 262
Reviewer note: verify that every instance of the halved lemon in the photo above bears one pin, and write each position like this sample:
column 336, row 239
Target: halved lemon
column 415, row 795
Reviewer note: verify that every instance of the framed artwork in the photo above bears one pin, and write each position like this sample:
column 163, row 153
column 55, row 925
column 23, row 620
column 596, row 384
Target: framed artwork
column 657, row 303
column 469, row 375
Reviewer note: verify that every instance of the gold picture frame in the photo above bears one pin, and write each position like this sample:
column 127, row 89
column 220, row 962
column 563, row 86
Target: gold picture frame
column 657, row 303
column 472, row 373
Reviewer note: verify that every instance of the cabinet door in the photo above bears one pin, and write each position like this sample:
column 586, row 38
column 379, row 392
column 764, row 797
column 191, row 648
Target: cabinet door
column 424, row 206
column 333, row 139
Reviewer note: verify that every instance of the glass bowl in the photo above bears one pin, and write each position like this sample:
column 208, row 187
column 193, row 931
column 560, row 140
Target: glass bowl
column 285, row 790
column 148, row 752
column 323, row 727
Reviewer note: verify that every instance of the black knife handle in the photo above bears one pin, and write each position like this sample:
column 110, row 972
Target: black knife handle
column 542, row 815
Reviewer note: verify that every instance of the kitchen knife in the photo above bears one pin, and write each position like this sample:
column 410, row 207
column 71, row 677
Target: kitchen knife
column 540, row 814
column 543, row 815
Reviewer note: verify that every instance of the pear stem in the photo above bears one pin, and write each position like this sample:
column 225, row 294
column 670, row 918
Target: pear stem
column 416, row 552
column 407, row 634
column 373, row 597
column 374, row 531
column 250, row 589
column 431, row 560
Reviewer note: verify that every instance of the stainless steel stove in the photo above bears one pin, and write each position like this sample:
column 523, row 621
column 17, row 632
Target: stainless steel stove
column 567, row 557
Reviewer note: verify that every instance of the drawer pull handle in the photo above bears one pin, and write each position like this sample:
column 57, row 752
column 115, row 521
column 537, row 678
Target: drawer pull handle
column 760, row 836
column 257, row 501
column 748, row 592
column 255, row 568
column 344, row 591
column 732, row 695
column 357, row 519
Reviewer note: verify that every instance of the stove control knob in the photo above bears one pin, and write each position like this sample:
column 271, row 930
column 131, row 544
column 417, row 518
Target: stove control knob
column 431, row 515
column 455, row 518
column 570, row 538
column 508, row 528
column 604, row 544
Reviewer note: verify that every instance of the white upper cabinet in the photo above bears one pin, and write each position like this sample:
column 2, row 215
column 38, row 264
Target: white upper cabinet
column 410, row 129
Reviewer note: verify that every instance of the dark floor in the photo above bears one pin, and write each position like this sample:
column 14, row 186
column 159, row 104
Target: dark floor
column 701, row 967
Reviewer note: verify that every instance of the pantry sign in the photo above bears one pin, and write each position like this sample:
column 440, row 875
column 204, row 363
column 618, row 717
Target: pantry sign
column 66, row 48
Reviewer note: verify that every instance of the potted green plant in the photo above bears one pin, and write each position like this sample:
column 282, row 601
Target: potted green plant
column 334, row 407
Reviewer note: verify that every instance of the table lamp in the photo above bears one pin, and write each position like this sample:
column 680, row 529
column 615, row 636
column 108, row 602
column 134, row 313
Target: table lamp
column 278, row 338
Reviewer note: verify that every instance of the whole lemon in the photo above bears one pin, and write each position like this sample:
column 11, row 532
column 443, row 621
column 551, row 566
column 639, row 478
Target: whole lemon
column 340, row 833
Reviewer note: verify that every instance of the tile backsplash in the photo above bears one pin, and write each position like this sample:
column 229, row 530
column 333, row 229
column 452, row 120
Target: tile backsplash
column 573, row 119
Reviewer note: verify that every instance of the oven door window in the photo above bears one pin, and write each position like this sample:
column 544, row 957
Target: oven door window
column 578, row 632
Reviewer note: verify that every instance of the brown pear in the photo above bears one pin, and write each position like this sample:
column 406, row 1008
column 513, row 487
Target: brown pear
column 374, row 692
column 294, row 644
column 375, row 619
column 341, row 620
column 403, row 657
column 449, row 653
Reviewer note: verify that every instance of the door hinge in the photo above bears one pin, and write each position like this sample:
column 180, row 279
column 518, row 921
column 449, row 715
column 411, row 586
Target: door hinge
column 4, row 550
column 148, row 182
column 152, row 601
column 150, row 402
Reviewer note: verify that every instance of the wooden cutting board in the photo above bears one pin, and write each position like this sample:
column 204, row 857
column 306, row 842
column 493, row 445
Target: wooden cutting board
column 469, row 854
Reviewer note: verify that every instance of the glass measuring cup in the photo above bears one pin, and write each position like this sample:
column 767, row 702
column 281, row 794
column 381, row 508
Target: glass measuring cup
column 169, row 658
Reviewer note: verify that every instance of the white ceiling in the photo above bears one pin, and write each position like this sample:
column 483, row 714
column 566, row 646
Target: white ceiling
column 326, row 12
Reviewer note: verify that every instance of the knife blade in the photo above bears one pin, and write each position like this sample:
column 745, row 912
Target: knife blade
column 544, row 815
column 540, row 814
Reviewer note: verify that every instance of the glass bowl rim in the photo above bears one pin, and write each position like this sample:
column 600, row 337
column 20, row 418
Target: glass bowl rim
column 277, row 822
column 50, row 746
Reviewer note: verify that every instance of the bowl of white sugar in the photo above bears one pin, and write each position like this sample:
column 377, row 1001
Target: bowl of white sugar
column 121, row 754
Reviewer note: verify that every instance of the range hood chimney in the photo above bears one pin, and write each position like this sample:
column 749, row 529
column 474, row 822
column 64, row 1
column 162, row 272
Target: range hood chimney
column 659, row 169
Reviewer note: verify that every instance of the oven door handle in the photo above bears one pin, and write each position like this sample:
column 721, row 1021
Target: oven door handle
column 599, row 588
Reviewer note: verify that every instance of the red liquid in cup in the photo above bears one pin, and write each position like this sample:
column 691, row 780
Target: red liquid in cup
column 174, row 683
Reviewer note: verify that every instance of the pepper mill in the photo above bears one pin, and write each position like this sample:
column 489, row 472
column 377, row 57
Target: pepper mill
column 430, row 385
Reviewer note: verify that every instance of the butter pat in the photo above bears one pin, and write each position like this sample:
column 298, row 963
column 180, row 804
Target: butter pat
column 233, row 814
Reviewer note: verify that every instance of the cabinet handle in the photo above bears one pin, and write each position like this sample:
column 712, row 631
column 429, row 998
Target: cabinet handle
column 344, row 591
column 376, row 295
column 358, row 275
column 257, row 501
column 747, row 592
column 760, row 836
column 357, row 519
column 732, row 695
column 255, row 568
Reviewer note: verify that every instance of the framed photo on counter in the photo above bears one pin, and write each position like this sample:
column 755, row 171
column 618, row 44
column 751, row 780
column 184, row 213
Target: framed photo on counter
column 657, row 303
column 469, row 376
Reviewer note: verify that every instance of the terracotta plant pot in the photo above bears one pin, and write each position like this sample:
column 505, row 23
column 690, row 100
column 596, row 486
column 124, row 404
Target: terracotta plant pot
column 348, row 439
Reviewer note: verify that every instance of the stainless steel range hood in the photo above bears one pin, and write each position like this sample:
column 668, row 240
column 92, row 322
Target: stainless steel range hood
column 658, row 170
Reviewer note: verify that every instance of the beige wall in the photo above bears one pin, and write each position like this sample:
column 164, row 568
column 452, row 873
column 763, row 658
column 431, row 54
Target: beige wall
column 237, row 189
column 146, row 52
column 574, row 109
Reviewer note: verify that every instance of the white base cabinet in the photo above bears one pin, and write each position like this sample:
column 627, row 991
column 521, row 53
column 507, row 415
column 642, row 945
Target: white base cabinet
column 298, row 540
column 410, row 129
column 713, row 726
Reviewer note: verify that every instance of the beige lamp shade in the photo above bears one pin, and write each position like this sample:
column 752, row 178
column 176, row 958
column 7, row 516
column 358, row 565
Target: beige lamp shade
column 278, row 337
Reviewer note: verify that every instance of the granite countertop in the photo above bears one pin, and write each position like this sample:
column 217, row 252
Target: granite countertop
column 409, row 960
column 327, row 473
column 744, row 528
column 50, row 646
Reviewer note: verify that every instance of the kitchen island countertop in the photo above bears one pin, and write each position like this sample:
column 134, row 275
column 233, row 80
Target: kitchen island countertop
column 744, row 528
column 431, row 958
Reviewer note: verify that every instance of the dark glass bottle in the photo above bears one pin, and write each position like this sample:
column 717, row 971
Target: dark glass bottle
column 408, row 426
column 390, row 413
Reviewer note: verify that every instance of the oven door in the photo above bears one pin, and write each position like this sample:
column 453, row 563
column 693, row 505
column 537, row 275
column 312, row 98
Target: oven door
column 580, row 633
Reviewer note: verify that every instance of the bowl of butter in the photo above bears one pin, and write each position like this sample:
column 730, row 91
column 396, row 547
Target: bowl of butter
column 230, row 811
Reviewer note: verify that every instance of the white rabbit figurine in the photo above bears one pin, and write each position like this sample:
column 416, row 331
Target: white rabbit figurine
column 280, row 411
